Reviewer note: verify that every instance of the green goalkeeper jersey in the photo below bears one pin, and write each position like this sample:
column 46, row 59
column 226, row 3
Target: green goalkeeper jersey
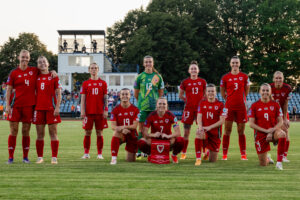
column 148, row 84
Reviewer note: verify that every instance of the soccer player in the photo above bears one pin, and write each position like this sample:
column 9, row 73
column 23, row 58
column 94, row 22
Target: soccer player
column 47, row 109
column 20, row 100
column 265, row 117
column 148, row 87
column 211, row 116
column 234, row 89
column 161, row 122
column 281, row 93
column 94, row 110
column 124, row 121
column 191, row 92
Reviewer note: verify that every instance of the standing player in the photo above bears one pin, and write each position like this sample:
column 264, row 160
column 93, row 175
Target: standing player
column 148, row 87
column 19, row 104
column 211, row 116
column 281, row 93
column 194, row 90
column 161, row 122
column 124, row 121
column 265, row 117
column 94, row 109
column 47, row 109
column 234, row 89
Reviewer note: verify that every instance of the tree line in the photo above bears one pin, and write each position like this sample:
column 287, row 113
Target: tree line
column 264, row 33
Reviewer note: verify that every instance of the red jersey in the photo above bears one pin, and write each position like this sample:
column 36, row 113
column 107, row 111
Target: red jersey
column 46, row 97
column 125, row 116
column 94, row 91
column 211, row 112
column 282, row 94
column 265, row 114
column 23, row 83
column 194, row 91
column 161, row 124
column 235, row 89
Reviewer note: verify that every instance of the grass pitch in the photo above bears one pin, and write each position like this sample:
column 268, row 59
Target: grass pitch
column 74, row 178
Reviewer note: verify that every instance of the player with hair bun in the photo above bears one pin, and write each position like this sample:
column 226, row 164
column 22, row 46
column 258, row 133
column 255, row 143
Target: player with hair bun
column 265, row 117
column 47, row 109
column 282, row 93
column 148, row 87
column 161, row 122
column 94, row 110
column 192, row 91
column 124, row 121
column 211, row 116
column 234, row 87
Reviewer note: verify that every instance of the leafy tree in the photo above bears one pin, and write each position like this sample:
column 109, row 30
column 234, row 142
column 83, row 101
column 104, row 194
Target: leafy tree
column 10, row 51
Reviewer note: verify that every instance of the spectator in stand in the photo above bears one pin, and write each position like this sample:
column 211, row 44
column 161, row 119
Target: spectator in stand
column 73, row 110
column 294, row 112
column 83, row 49
column 1, row 109
column 3, row 89
column 78, row 110
column 65, row 46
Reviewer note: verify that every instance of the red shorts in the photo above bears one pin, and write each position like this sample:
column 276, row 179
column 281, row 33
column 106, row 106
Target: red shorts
column 45, row 117
column 239, row 116
column 213, row 141
column 100, row 122
column 189, row 115
column 261, row 144
column 131, row 143
column 21, row 114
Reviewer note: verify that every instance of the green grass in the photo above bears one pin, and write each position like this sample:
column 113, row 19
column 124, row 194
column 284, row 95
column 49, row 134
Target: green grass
column 74, row 178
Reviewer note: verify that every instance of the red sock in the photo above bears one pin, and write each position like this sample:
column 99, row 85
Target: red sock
column 54, row 147
column 198, row 147
column 115, row 143
column 204, row 145
column 144, row 147
column 242, row 143
column 178, row 145
column 39, row 144
column 87, row 144
column 12, row 140
column 280, row 149
column 185, row 145
column 225, row 144
column 25, row 145
column 99, row 144
column 286, row 149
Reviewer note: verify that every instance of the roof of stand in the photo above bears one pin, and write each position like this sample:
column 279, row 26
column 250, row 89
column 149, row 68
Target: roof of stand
column 81, row 32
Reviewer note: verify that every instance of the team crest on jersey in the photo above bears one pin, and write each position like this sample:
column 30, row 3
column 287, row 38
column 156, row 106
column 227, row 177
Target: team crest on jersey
column 131, row 113
column 241, row 78
column 166, row 120
column 49, row 78
column 199, row 83
column 160, row 148
column 216, row 107
column 30, row 73
column 271, row 108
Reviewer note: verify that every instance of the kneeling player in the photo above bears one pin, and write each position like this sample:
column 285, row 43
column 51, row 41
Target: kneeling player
column 94, row 109
column 124, row 121
column 161, row 122
column 211, row 116
column 265, row 117
column 47, row 109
